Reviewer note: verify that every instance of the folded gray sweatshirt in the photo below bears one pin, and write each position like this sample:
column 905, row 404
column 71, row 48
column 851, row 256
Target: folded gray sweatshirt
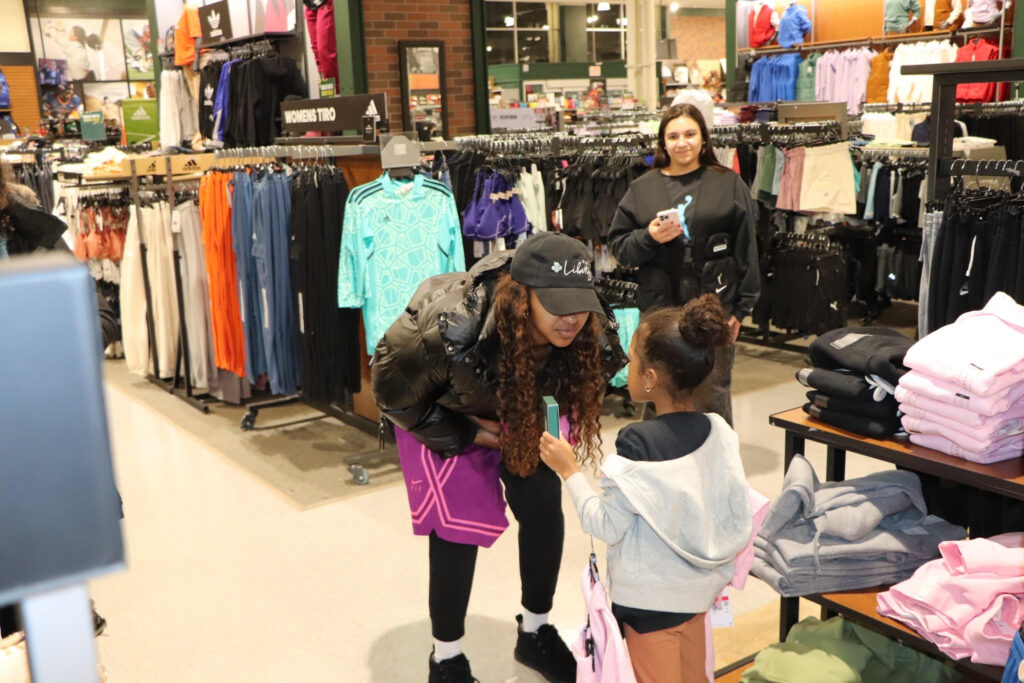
column 844, row 535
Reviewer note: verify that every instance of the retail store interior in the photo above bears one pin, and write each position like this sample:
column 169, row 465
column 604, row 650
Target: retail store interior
column 236, row 344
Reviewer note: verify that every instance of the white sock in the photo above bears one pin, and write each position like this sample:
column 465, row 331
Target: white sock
column 447, row 649
column 532, row 622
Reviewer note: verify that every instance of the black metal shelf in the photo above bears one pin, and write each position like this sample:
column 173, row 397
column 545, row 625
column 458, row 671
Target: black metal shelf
column 255, row 38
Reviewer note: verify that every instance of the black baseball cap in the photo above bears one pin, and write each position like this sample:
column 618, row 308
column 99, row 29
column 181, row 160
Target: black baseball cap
column 557, row 267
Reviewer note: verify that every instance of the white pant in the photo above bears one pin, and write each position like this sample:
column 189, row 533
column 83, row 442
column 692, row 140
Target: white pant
column 828, row 184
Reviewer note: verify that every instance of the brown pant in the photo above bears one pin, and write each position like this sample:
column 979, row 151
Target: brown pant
column 672, row 655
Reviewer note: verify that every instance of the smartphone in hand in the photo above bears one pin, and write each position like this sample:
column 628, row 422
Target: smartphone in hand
column 670, row 216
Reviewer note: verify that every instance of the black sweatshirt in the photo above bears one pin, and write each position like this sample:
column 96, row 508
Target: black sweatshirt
column 720, row 217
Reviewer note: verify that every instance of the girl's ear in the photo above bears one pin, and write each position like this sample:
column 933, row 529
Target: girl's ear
column 650, row 379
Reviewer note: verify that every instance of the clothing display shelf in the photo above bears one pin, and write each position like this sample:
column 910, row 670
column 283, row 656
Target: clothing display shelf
column 1005, row 478
column 943, row 110
column 180, row 384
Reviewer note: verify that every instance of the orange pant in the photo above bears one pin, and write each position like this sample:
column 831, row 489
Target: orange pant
column 225, row 309
column 672, row 655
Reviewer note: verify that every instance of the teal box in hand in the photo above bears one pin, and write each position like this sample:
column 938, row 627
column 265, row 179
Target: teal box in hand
column 551, row 408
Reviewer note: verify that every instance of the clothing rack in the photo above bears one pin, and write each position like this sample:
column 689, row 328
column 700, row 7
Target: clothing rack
column 311, row 151
column 976, row 108
column 903, row 152
column 943, row 112
column 872, row 41
column 776, row 133
column 178, row 385
column 1002, row 168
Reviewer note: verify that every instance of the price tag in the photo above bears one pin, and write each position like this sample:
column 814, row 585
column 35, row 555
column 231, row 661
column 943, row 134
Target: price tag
column 266, row 310
column 721, row 611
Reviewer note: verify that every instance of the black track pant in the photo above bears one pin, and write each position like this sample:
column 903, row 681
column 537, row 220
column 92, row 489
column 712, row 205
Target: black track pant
column 536, row 503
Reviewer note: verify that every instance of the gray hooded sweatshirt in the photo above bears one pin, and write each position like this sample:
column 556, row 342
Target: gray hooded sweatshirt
column 674, row 527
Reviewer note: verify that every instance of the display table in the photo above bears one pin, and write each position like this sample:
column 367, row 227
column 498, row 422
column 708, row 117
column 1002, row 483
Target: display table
column 1005, row 478
column 733, row 675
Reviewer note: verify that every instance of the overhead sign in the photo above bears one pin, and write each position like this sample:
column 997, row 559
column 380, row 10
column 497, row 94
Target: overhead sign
column 331, row 114
column 215, row 22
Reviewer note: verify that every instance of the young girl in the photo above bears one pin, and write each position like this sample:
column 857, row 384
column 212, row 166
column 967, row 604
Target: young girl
column 674, row 509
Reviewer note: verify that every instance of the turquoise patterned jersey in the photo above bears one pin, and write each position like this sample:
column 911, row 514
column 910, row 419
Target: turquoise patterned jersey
column 394, row 236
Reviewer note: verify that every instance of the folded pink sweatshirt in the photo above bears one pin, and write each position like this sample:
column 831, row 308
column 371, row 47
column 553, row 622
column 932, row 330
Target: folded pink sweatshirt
column 969, row 601
column 944, row 445
column 983, row 439
column 983, row 351
column 961, row 419
column 924, row 385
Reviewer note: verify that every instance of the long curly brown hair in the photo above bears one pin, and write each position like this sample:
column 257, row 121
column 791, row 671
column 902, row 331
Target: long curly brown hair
column 577, row 383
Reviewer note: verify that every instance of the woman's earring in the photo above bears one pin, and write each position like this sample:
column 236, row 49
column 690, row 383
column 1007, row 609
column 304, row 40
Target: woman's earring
column 647, row 388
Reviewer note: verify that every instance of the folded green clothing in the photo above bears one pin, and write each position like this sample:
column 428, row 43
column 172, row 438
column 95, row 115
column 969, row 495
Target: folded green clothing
column 839, row 651
column 798, row 663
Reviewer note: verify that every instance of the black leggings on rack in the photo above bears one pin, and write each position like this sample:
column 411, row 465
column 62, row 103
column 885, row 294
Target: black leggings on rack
column 536, row 502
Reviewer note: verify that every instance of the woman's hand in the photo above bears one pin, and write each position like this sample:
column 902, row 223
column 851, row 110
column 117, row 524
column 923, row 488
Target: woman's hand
column 488, row 433
column 663, row 232
column 557, row 454
column 734, row 328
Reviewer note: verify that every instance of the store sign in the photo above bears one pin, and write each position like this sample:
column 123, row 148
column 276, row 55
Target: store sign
column 518, row 119
column 334, row 113
column 215, row 22
column 93, row 127
column 141, row 120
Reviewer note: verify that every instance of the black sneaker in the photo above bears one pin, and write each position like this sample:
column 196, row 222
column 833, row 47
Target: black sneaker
column 546, row 653
column 454, row 670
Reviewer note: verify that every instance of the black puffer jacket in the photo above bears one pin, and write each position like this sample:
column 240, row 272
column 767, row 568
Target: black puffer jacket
column 438, row 362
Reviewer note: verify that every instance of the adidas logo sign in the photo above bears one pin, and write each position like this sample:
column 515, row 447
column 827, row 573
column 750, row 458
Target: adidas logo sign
column 372, row 109
column 214, row 20
column 140, row 114
column 191, row 165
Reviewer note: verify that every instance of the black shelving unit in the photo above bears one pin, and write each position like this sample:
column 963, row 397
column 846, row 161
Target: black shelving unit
column 943, row 112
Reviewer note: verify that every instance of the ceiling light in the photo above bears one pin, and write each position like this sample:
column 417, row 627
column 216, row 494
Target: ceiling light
column 673, row 7
column 591, row 20
column 625, row 21
column 603, row 6
column 489, row 48
column 545, row 27
column 510, row 21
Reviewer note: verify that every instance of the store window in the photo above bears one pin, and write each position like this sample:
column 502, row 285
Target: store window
column 501, row 47
column 606, row 46
column 531, row 15
column 501, row 15
column 606, row 31
column 533, row 46
column 517, row 32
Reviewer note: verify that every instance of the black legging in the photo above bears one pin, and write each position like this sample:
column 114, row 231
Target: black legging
column 536, row 503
